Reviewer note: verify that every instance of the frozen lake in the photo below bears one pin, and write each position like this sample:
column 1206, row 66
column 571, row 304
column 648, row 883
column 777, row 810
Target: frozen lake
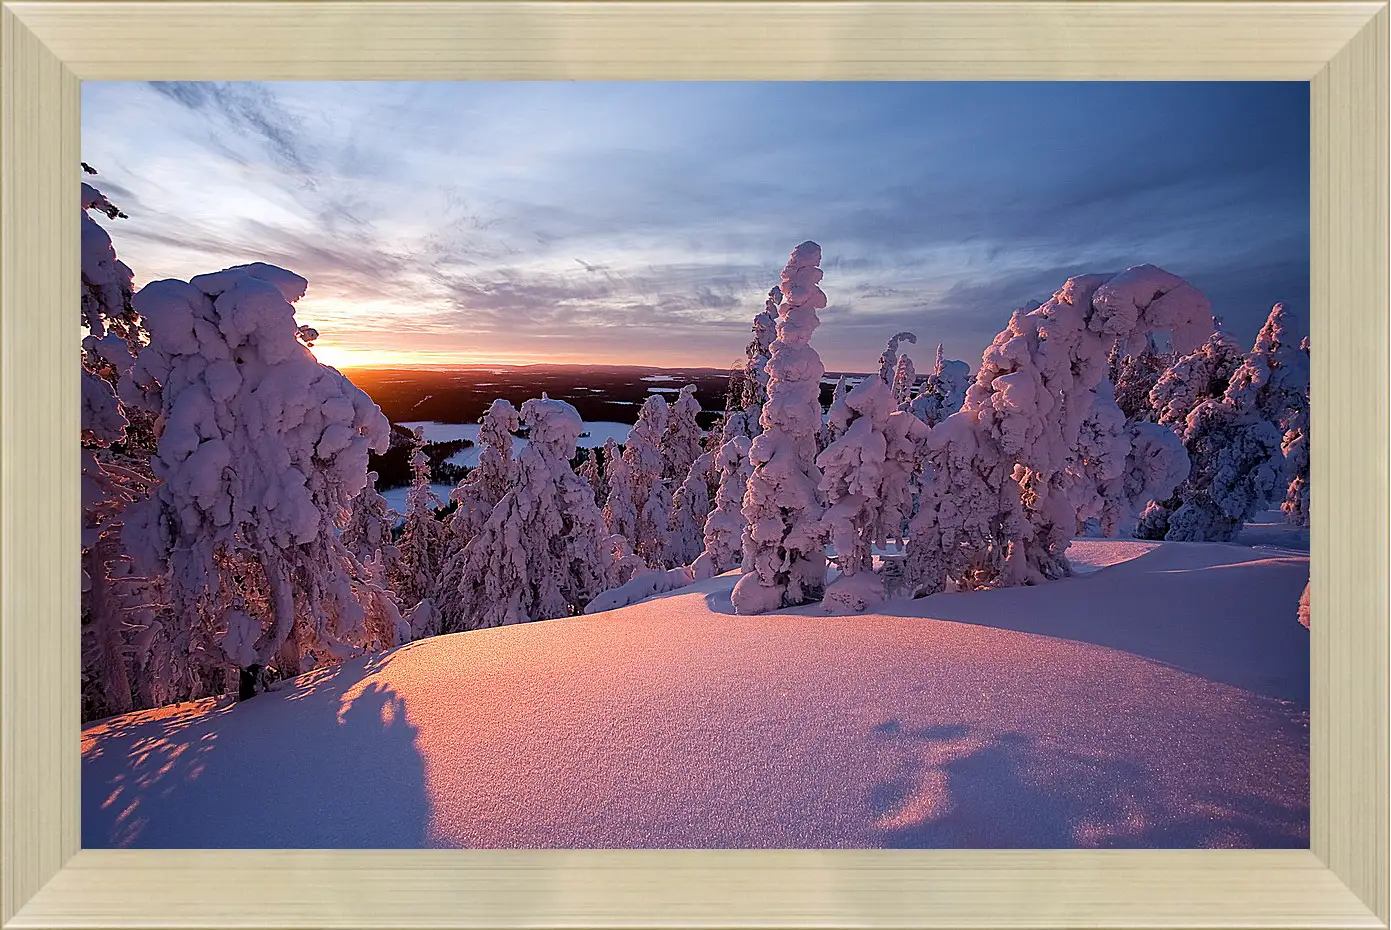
column 597, row 432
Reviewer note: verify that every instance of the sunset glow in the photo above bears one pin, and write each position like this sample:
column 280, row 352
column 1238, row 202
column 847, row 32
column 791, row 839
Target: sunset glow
column 644, row 223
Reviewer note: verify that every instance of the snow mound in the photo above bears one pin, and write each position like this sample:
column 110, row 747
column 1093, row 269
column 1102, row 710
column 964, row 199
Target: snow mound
column 1158, row 702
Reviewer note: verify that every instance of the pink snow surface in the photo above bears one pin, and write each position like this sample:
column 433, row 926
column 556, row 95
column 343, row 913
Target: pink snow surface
column 1159, row 701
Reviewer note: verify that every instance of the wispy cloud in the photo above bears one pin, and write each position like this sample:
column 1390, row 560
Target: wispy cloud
column 626, row 220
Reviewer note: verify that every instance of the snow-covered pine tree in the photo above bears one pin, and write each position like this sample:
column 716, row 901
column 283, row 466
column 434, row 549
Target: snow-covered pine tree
column 1273, row 380
column 690, row 508
column 592, row 473
column 830, row 426
column 110, row 482
column 262, row 453
column 1200, row 375
column 1122, row 466
column 421, row 545
column 479, row 491
column 852, row 474
column 784, row 559
column 540, row 554
column 682, row 440
column 368, row 532
column 1304, row 607
column 888, row 359
column 1296, row 449
column 620, row 506
column 944, row 391
column 643, row 456
column 654, row 525
column 643, row 450
column 765, row 325
column 1134, row 379
column 904, row 435
column 612, row 452
column 905, row 378
column 724, row 527
column 1003, row 485
column 475, row 497
column 1234, row 444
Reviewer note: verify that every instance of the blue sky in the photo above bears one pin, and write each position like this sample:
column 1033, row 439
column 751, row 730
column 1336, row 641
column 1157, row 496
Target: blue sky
column 644, row 223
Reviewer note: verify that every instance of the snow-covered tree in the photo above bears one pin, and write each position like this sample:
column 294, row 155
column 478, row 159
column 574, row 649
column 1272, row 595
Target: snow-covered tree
column 1236, row 470
column 422, row 620
column 479, row 491
column 262, row 452
column 904, row 435
column 591, row 470
column 725, row 526
column 620, row 506
column 1007, row 476
column 643, row 450
column 654, row 525
column 682, row 440
column 765, row 325
column 829, row 427
column 905, row 378
column 1235, row 445
column 968, row 505
column 690, row 508
column 421, row 546
column 541, row 553
column 1273, row 379
column 1295, row 447
column 852, row 474
column 888, row 359
column 784, row 558
column 475, row 497
column 1134, row 377
column 110, row 482
column 612, row 452
column 1200, row 375
column 382, row 618
column 1304, row 607
column 1123, row 466
column 944, row 391
column 368, row 532
column 643, row 456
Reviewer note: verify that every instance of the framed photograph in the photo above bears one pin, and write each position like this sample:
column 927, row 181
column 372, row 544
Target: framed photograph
column 617, row 464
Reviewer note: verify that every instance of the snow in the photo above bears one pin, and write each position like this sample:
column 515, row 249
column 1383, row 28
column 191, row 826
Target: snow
column 597, row 433
column 1089, row 556
column 659, row 378
column 1269, row 528
column 396, row 497
column 1159, row 701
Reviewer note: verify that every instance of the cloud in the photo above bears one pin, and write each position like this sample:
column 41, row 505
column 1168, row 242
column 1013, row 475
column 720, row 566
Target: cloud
column 244, row 109
column 603, row 217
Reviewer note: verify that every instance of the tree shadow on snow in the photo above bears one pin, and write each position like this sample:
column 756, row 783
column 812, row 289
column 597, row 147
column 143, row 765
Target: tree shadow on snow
column 152, row 783
column 959, row 788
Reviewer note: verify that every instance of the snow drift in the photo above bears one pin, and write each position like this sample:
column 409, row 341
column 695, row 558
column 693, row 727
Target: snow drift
column 1159, row 701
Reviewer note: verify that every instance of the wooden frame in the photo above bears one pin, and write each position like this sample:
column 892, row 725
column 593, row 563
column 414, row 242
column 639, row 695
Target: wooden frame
column 49, row 47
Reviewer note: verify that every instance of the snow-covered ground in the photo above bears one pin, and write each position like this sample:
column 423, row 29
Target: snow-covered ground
column 596, row 433
column 1158, row 700
column 1270, row 529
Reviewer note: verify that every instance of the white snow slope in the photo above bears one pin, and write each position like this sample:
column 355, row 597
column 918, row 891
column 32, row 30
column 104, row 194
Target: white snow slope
column 1158, row 701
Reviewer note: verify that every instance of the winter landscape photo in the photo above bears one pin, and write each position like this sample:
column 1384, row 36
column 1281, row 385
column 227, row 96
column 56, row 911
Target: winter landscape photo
column 695, row 465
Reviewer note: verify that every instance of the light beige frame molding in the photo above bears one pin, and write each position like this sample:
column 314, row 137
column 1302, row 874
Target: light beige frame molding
column 49, row 47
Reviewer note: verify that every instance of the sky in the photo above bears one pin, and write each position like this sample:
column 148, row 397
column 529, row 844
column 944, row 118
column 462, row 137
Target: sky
column 643, row 223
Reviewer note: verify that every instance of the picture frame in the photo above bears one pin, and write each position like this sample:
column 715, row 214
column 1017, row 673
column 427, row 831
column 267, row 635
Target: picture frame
column 1341, row 49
